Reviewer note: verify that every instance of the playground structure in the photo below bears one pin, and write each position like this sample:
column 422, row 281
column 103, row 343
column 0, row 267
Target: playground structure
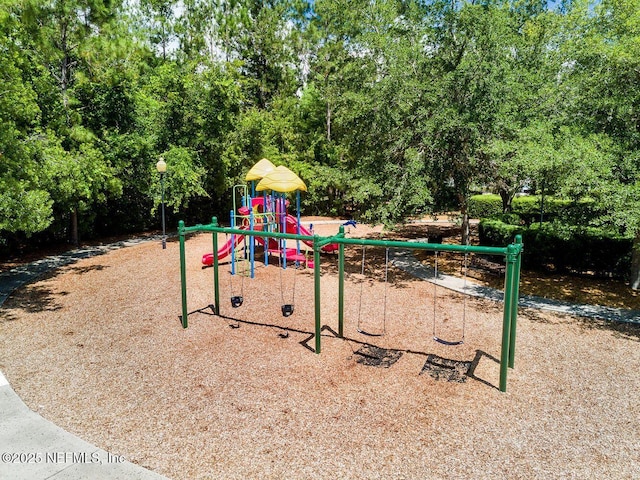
column 511, row 253
column 266, row 213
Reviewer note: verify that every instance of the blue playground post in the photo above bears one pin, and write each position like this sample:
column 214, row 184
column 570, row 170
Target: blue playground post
column 283, row 229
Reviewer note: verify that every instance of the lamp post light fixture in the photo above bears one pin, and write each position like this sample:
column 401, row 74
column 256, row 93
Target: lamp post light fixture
column 161, row 166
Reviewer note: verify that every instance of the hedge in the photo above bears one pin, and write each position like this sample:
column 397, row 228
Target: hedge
column 484, row 206
column 561, row 247
column 526, row 209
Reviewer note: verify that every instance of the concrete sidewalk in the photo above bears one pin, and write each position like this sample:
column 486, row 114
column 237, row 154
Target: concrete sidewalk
column 33, row 448
column 406, row 260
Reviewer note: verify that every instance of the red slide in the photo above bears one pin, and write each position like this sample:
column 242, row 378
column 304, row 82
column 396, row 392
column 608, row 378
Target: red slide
column 227, row 248
column 292, row 227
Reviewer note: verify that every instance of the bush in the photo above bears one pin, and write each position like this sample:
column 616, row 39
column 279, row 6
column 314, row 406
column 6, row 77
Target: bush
column 526, row 209
column 564, row 247
column 496, row 233
column 484, row 206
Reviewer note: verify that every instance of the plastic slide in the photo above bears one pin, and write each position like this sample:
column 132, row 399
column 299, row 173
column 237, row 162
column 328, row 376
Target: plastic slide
column 225, row 250
column 292, row 227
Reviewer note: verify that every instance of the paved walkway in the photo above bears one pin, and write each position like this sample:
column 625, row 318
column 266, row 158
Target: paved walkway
column 406, row 260
column 33, row 448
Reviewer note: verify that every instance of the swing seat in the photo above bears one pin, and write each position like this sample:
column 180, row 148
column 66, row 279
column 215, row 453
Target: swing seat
column 236, row 301
column 447, row 342
column 287, row 310
column 363, row 332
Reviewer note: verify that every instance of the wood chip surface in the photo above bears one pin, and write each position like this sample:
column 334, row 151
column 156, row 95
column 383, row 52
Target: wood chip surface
column 97, row 348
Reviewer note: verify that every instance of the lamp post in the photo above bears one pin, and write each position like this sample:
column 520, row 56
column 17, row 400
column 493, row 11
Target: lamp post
column 161, row 166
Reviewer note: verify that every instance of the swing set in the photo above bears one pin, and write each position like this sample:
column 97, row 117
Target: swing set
column 512, row 254
column 360, row 327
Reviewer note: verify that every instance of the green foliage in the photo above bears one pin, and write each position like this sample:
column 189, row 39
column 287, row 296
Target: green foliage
column 485, row 206
column 526, row 209
column 561, row 247
column 183, row 180
column 24, row 209
column 497, row 233
column 385, row 109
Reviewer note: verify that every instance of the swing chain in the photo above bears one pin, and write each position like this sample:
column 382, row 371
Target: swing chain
column 236, row 300
column 287, row 308
column 435, row 298
column 384, row 310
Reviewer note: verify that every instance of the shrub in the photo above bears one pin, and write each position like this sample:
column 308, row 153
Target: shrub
column 484, row 206
column 564, row 247
column 526, row 209
column 496, row 233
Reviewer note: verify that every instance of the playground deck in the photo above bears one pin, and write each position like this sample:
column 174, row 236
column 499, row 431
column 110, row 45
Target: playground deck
column 244, row 396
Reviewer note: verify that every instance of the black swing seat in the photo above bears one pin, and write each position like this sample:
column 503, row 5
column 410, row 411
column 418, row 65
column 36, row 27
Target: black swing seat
column 370, row 334
column 287, row 310
column 236, row 301
column 447, row 342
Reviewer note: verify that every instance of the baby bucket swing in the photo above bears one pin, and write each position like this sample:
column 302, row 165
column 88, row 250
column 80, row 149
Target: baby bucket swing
column 287, row 308
column 236, row 300
column 436, row 337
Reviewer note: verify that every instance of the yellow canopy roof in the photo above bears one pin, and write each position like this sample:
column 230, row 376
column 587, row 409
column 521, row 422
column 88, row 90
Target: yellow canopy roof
column 281, row 180
column 260, row 169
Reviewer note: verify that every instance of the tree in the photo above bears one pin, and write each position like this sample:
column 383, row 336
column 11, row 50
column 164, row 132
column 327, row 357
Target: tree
column 602, row 61
column 266, row 47
column 57, row 33
column 25, row 206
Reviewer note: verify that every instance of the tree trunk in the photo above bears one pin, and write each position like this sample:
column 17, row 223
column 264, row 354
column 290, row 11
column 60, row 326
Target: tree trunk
column 464, row 212
column 75, row 240
column 466, row 231
column 634, row 280
column 328, row 122
column 506, row 200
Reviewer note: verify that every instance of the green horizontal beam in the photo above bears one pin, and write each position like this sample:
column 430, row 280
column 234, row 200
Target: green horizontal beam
column 442, row 247
column 251, row 233
column 340, row 239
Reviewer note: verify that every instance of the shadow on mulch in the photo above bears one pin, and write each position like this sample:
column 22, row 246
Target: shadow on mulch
column 368, row 354
column 629, row 331
column 90, row 268
column 373, row 356
column 38, row 299
column 447, row 369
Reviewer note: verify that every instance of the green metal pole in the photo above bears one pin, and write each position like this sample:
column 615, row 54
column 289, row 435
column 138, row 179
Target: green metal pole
column 341, row 286
column 506, row 319
column 183, row 275
column 514, row 301
column 216, row 270
column 316, row 284
column 441, row 247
